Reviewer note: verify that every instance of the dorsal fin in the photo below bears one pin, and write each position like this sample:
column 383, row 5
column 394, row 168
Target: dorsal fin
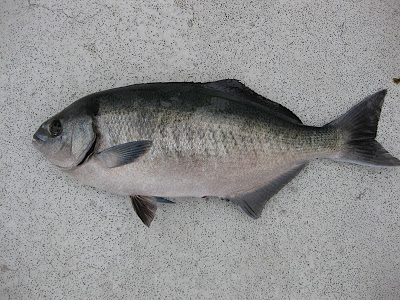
column 236, row 88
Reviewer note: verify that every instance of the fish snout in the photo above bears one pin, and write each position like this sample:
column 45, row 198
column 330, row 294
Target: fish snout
column 37, row 140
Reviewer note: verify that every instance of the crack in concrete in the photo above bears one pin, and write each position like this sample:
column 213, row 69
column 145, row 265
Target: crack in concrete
column 60, row 11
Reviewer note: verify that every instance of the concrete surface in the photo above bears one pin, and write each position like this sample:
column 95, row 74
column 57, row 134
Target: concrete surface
column 332, row 233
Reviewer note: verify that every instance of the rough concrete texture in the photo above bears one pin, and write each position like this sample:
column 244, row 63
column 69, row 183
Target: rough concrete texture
column 332, row 233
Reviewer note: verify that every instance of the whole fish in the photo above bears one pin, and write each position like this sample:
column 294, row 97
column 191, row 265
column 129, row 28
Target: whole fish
column 157, row 140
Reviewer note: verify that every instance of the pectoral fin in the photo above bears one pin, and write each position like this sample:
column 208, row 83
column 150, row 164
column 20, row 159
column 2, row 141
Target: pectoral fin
column 123, row 154
column 145, row 207
column 252, row 203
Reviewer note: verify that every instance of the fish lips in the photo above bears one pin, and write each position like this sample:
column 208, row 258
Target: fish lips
column 37, row 141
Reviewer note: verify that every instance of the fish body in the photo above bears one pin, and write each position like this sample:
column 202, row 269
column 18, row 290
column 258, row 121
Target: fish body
column 202, row 143
column 199, row 139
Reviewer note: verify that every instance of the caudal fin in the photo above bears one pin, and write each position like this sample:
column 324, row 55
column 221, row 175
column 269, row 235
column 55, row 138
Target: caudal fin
column 359, row 126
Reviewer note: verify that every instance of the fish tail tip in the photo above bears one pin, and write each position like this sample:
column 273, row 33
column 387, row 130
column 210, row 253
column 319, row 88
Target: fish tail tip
column 359, row 127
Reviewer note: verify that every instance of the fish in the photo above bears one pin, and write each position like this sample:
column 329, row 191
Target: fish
column 155, row 141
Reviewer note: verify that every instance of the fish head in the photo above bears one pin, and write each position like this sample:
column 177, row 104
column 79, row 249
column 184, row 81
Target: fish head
column 66, row 139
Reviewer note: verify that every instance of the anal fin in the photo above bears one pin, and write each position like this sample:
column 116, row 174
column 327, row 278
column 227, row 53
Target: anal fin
column 253, row 202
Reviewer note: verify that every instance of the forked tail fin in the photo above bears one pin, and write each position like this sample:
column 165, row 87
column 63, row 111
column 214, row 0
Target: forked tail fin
column 359, row 126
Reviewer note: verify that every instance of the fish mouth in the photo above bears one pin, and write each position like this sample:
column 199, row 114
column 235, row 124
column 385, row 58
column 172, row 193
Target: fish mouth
column 36, row 138
column 37, row 141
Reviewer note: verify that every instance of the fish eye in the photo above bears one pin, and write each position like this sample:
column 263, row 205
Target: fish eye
column 55, row 128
